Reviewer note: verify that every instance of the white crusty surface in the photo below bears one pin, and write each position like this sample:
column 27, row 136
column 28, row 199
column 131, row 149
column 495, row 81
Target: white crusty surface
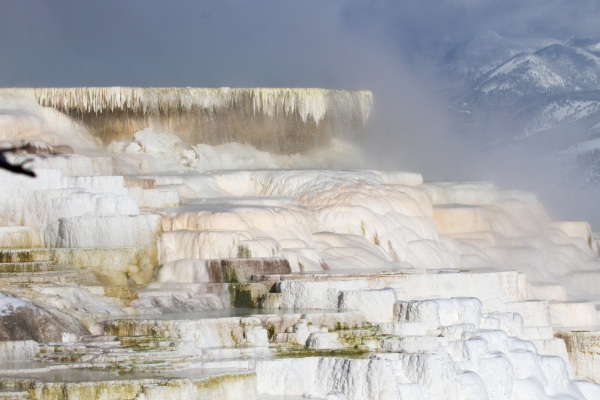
column 392, row 288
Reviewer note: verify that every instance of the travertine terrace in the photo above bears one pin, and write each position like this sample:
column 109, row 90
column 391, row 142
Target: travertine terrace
column 284, row 121
column 154, row 263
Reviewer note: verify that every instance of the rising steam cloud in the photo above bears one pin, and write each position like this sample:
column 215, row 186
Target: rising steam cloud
column 391, row 48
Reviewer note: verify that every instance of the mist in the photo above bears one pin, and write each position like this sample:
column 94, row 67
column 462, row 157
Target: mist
column 394, row 49
column 197, row 180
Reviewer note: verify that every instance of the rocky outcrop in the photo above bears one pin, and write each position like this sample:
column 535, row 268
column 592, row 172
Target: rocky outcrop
column 20, row 320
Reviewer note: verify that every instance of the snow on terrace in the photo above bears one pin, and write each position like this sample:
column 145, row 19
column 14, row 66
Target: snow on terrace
column 362, row 284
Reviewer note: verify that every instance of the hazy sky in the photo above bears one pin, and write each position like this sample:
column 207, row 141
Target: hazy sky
column 177, row 43
column 253, row 43
column 385, row 46
column 213, row 44
column 424, row 26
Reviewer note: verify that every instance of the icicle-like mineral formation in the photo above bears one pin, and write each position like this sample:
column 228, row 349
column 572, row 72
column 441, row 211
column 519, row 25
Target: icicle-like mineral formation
column 282, row 120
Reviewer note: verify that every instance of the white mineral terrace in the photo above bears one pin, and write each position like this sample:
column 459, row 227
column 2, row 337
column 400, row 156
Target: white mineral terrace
column 308, row 102
column 154, row 269
column 284, row 120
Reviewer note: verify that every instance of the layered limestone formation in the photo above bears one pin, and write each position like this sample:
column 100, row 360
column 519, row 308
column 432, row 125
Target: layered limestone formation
column 283, row 121
column 135, row 274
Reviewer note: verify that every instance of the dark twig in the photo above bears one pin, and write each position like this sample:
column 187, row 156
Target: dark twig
column 16, row 168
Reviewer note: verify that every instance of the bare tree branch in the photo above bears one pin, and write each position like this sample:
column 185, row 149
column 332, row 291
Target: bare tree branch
column 16, row 168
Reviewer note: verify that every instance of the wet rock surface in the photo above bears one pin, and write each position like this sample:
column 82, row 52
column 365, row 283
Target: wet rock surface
column 30, row 322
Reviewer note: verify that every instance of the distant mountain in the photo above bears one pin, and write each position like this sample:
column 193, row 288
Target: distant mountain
column 553, row 89
column 536, row 98
column 553, row 69
column 592, row 45
column 487, row 51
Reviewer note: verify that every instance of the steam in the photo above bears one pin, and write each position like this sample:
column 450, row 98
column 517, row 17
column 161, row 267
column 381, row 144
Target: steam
column 425, row 35
column 392, row 48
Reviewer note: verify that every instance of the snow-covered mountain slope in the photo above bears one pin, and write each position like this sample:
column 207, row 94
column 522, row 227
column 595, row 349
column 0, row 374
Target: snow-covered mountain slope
column 488, row 50
column 582, row 111
column 534, row 104
column 554, row 69
column 541, row 86
column 590, row 44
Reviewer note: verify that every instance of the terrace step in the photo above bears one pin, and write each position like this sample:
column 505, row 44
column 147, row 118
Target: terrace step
column 80, row 384
column 98, row 338
column 18, row 237
column 108, row 263
column 26, row 255
column 232, row 270
column 81, row 256
column 31, row 266
column 42, row 277
column 16, row 395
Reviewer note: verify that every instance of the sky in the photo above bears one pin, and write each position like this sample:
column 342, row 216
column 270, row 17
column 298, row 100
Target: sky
column 391, row 47
column 160, row 43
column 258, row 43
column 215, row 44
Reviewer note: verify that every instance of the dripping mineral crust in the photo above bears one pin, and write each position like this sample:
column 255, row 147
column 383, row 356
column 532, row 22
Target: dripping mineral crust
column 284, row 121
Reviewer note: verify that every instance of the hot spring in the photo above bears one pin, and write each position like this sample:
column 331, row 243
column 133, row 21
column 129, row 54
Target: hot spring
column 198, row 243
